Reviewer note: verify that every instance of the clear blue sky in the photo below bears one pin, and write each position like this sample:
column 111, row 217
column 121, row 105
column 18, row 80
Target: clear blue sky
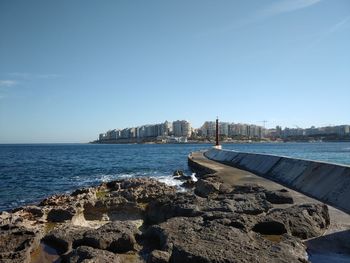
column 72, row 69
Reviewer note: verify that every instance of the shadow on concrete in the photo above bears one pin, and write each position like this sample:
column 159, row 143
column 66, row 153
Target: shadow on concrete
column 333, row 247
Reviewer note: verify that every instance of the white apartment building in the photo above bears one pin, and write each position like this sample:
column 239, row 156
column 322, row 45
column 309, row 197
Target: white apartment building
column 182, row 128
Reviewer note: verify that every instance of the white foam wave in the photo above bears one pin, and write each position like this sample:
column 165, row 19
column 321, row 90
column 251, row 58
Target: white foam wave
column 168, row 180
column 193, row 177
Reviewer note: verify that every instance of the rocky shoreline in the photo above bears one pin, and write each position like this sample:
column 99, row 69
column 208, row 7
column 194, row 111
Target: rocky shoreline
column 144, row 220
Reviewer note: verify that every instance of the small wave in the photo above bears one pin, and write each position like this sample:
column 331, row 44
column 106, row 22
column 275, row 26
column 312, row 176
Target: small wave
column 168, row 180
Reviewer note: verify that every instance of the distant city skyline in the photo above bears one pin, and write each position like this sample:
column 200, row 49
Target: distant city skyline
column 72, row 69
column 261, row 123
column 181, row 130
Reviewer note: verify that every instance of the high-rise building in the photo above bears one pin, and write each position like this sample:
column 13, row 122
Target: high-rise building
column 223, row 128
column 208, row 129
column 182, row 128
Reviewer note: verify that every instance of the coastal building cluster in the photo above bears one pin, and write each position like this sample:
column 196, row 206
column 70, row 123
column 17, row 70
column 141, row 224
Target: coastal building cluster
column 177, row 131
column 340, row 130
column 231, row 130
column 182, row 131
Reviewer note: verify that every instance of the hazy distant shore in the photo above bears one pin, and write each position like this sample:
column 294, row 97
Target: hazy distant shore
column 287, row 140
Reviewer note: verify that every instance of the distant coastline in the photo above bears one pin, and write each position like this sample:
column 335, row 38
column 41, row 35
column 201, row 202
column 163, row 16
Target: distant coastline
column 285, row 140
column 181, row 131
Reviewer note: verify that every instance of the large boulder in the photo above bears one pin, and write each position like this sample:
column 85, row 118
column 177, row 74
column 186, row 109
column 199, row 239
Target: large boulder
column 117, row 237
column 279, row 197
column 303, row 221
column 65, row 237
column 61, row 214
column 206, row 187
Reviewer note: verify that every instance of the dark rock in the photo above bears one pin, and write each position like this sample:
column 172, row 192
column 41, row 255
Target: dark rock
column 89, row 254
column 225, row 188
column 279, row 197
column 248, row 203
column 178, row 173
column 158, row 256
column 179, row 204
column 240, row 221
column 189, row 205
column 140, row 189
column 35, row 211
column 30, row 212
column 117, row 236
column 219, row 223
column 16, row 245
column 60, row 214
column 82, row 191
column 56, row 200
column 252, row 204
column 303, row 221
column 115, row 207
column 189, row 183
column 206, row 187
column 65, row 237
column 195, row 240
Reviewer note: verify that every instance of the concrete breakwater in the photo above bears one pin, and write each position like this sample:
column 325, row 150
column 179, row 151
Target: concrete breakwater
column 327, row 182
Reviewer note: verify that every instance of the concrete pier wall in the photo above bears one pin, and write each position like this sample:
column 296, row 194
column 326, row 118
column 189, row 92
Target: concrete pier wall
column 327, row 182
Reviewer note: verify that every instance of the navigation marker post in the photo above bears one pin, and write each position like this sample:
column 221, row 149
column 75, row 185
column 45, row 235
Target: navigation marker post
column 217, row 144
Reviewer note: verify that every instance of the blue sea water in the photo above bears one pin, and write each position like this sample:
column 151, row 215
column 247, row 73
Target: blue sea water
column 28, row 173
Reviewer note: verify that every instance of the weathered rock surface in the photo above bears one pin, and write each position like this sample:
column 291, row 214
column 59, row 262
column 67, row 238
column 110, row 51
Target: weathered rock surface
column 143, row 220
column 85, row 254
column 303, row 221
column 158, row 256
column 207, row 187
column 117, row 237
column 140, row 189
column 196, row 240
column 56, row 200
column 190, row 205
column 61, row 214
column 65, row 237
column 16, row 244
